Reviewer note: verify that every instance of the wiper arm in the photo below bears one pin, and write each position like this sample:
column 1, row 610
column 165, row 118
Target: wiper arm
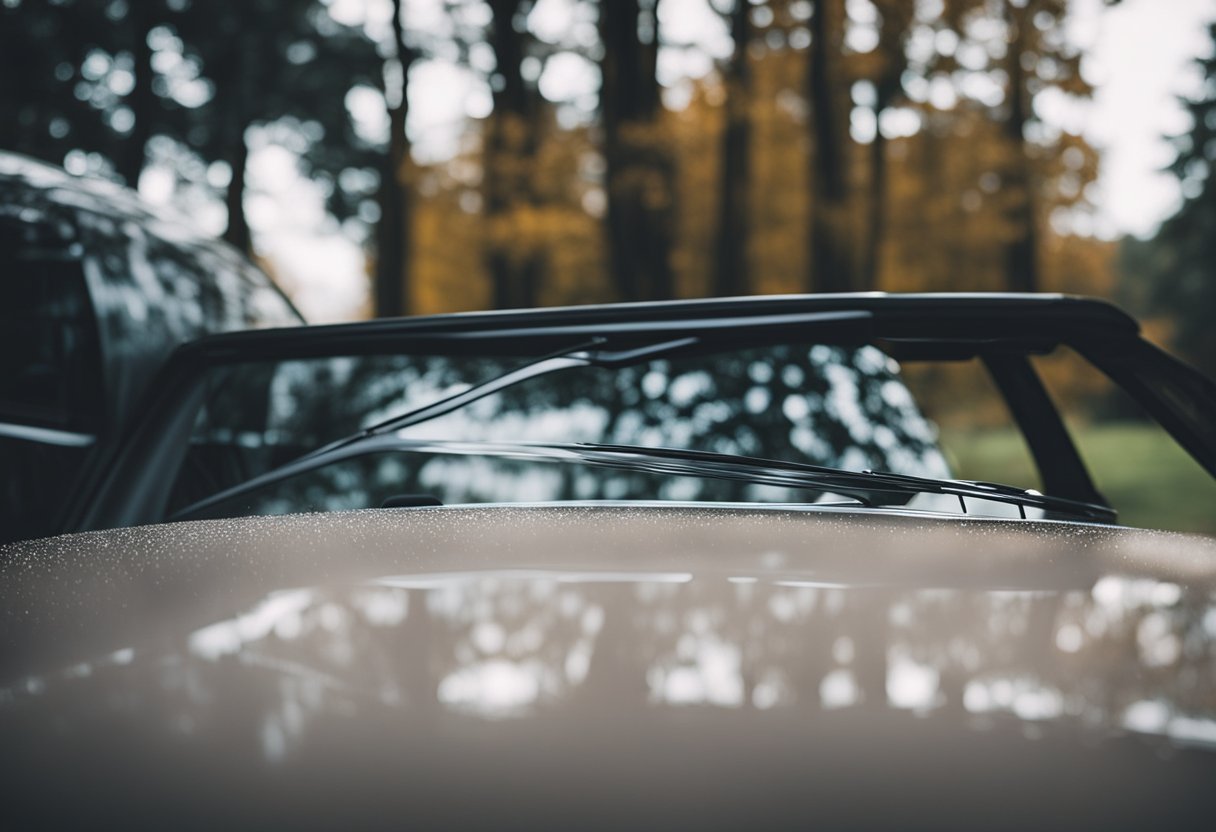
column 581, row 355
column 750, row 330
column 870, row 488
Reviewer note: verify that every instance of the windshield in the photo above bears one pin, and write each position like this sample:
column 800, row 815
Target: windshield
column 840, row 407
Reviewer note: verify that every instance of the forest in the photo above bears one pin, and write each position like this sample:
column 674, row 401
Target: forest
column 834, row 145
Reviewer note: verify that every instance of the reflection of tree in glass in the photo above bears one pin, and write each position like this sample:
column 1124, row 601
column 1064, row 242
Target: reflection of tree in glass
column 825, row 405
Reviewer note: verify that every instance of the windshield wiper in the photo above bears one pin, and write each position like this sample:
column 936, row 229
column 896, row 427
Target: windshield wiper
column 753, row 330
column 870, row 488
column 585, row 354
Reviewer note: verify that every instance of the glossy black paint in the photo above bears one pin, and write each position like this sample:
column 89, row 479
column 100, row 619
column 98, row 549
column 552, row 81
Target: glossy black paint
column 96, row 289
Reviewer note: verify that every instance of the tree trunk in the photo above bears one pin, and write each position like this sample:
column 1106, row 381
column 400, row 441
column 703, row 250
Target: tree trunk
column 871, row 273
column 235, row 142
column 131, row 156
column 830, row 241
column 893, row 31
column 877, row 207
column 394, row 237
column 730, row 264
column 509, row 160
column 639, row 175
column 237, row 233
column 1021, row 254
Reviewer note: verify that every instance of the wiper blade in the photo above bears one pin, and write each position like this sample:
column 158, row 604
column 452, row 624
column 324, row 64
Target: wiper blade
column 870, row 488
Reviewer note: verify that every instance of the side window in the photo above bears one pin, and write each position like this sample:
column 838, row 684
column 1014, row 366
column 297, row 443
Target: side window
column 50, row 377
column 977, row 432
column 1138, row 467
column 49, row 355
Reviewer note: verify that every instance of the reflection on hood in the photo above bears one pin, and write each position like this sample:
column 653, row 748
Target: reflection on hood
column 694, row 650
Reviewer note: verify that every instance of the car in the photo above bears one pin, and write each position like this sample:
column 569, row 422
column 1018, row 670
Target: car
column 688, row 564
column 98, row 288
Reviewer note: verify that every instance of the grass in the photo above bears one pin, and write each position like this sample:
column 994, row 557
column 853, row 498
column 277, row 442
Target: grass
column 1143, row 474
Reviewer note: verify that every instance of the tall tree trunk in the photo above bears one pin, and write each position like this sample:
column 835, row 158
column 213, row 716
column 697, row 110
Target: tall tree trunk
column 394, row 231
column 893, row 31
column 1021, row 253
column 640, row 172
column 831, row 261
column 142, row 101
column 237, row 233
column 509, row 161
column 235, row 142
column 730, row 264
column 877, row 208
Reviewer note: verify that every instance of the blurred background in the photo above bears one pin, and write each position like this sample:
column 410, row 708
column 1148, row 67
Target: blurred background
column 388, row 157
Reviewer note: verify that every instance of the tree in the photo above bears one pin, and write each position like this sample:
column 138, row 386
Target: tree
column 55, row 90
column 142, row 101
column 1184, row 251
column 265, row 65
column 894, row 27
column 1038, row 57
column 394, row 230
column 639, row 169
column 1021, row 254
column 830, row 235
column 511, row 144
column 730, row 276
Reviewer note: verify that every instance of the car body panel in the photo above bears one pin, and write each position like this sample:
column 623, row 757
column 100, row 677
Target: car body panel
column 154, row 280
column 602, row 665
column 99, row 289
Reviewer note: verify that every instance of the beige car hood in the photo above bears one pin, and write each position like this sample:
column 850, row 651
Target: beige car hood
column 638, row 665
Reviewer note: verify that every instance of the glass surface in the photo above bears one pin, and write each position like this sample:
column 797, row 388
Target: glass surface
column 50, row 377
column 49, row 354
column 838, row 407
column 979, row 437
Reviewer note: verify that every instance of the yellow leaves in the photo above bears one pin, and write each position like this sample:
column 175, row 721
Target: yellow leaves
column 524, row 231
column 954, row 196
column 858, row 65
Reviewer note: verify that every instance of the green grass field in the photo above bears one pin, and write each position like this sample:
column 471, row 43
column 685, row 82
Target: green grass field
column 1144, row 475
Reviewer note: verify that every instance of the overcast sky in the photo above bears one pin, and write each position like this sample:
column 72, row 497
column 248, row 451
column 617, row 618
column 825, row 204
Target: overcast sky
column 1139, row 56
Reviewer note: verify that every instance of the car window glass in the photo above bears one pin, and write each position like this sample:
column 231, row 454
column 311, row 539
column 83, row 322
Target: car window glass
column 977, row 432
column 818, row 404
column 50, row 378
column 49, row 354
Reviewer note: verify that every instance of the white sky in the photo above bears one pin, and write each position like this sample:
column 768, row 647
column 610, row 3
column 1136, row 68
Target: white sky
column 1139, row 56
column 1141, row 60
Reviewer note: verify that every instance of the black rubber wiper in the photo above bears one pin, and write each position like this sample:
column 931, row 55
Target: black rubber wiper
column 870, row 488
column 587, row 354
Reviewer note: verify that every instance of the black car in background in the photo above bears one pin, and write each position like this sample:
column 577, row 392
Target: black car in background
column 96, row 289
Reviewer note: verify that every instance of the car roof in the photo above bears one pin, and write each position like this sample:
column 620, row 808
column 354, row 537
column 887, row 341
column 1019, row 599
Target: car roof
column 154, row 280
column 56, row 189
column 955, row 317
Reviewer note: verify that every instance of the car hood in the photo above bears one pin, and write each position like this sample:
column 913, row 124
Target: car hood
column 603, row 665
